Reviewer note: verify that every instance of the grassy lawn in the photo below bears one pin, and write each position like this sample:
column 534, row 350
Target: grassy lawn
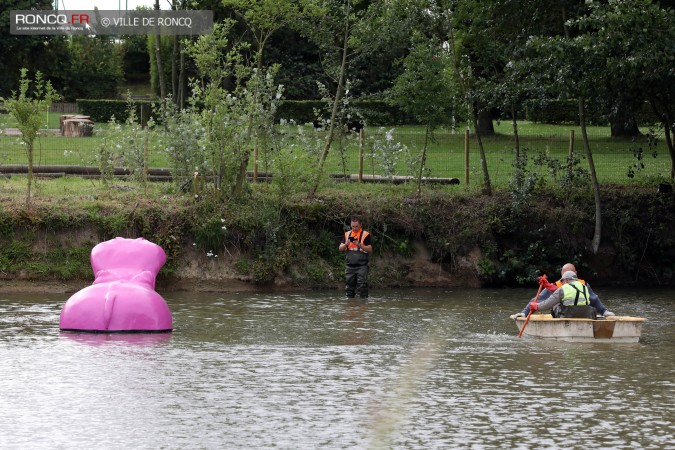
column 445, row 154
column 50, row 120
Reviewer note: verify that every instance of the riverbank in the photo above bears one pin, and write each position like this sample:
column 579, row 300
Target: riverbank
column 197, row 273
column 448, row 237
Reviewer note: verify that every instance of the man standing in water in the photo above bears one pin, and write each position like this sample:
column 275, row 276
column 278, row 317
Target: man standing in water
column 358, row 245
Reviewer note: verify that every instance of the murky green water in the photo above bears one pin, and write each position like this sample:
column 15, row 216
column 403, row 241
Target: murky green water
column 408, row 369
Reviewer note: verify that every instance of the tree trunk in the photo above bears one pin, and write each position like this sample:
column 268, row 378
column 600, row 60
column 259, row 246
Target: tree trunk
column 594, row 178
column 669, row 130
column 241, row 176
column 174, row 71
column 487, row 186
column 623, row 125
column 336, row 103
column 181, row 79
column 669, row 141
column 158, row 57
column 29, row 150
column 423, row 162
column 484, row 125
column 514, row 119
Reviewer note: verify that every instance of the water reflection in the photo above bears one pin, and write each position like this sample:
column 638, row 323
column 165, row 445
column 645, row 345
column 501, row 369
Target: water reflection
column 405, row 369
column 133, row 339
column 356, row 329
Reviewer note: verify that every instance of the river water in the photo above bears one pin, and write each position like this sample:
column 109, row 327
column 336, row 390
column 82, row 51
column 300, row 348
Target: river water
column 413, row 369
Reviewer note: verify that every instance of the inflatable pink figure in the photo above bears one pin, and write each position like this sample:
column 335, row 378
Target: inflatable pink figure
column 122, row 297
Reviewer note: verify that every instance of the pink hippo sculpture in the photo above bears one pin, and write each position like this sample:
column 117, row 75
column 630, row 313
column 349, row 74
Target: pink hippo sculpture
column 122, row 297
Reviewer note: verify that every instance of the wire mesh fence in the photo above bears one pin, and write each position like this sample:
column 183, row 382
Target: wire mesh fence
column 397, row 151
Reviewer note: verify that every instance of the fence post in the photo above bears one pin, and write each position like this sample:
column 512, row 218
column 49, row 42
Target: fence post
column 361, row 135
column 466, row 157
column 570, row 152
column 145, row 161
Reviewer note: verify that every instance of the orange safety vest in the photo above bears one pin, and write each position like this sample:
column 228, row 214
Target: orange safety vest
column 359, row 237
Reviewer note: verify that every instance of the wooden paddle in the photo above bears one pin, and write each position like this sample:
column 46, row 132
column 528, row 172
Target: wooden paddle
column 541, row 285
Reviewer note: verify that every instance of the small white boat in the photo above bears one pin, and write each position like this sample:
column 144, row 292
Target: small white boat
column 608, row 329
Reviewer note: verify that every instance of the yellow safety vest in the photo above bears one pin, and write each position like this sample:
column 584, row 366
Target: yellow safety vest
column 575, row 294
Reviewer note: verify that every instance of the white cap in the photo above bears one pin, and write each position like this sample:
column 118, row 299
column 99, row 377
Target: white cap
column 569, row 275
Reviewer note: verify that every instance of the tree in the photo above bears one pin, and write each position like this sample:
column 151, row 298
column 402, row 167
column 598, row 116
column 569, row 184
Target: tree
column 157, row 78
column 29, row 109
column 300, row 64
column 95, row 70
column 343, row 30
column 45, row 53
column 263, row 18
column 158, row 58
column 425, row 90
column 489, row 38
column 463, row 73
column 573, row 67
column 135, row 58
column 221, row 116
column 493, row 35
column 638, row 41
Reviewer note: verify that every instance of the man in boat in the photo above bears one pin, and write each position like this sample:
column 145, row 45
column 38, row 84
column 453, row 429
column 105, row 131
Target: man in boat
column 552, row 287
column 571, row 300
column 358, row 245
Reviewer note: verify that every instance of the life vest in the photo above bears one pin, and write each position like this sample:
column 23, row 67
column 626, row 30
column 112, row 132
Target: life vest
column 359, row 237
column 575, row 294
column 356, row 256
column 559, row 283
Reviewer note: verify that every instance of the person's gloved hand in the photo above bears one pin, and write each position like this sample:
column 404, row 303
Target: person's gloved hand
column 534, row 306
column 543, row 281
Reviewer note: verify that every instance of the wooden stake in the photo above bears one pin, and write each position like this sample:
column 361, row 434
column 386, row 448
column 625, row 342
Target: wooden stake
column 361, row 139
column 466, row 157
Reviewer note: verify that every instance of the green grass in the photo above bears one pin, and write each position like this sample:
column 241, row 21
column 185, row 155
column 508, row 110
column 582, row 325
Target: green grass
column 86, row 193
column 50, row 120
column 445, row 155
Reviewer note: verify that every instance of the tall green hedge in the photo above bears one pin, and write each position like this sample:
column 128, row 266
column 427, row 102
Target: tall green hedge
column 373, row 112
column 561, row 112
column 567, row 112
column 103, row 110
